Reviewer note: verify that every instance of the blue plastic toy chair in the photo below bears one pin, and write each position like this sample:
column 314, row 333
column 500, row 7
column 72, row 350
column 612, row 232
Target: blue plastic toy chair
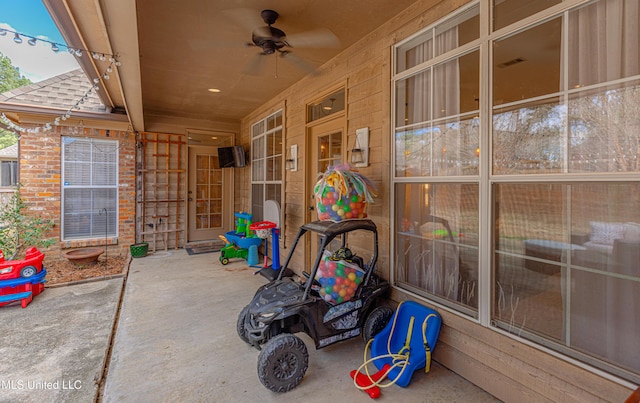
column 406, row 342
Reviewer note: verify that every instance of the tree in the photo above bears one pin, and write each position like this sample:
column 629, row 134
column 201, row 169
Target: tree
column 10, row 76
column 18, row 230
column 7, row 138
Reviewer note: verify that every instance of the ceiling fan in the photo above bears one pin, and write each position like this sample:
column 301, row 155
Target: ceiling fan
column 273, row 40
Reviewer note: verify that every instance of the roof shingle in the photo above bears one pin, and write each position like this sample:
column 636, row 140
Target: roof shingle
column 62, row 91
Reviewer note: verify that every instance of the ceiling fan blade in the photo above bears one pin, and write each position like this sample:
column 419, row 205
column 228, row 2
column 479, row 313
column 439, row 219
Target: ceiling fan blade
column 246, row 18
column 300, row 63
column 255, row 67
column 319, row 38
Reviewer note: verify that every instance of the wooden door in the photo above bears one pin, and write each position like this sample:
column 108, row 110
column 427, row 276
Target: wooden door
column 326, row 149
column 210, row 195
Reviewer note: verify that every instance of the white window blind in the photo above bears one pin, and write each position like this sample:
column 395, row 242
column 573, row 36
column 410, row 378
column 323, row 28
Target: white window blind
column 90, row 188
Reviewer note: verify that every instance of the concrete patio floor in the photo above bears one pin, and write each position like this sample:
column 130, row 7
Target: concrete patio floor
column 175, row 340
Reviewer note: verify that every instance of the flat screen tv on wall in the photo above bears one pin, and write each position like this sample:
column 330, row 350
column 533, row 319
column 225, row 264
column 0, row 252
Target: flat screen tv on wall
column 231, row 157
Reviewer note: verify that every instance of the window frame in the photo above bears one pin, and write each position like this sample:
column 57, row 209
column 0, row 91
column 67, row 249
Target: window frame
column 260, row 132
column 486, row 178
column 64, row 187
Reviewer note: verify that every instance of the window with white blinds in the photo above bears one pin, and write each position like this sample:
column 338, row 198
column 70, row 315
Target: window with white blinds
column 90, row 188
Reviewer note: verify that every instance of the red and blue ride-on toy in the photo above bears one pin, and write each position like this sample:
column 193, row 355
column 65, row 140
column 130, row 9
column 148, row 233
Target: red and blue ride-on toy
column 335, row 301
column 26, row 268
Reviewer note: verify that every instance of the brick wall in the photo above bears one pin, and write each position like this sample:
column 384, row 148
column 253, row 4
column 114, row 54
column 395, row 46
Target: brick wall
column 40, row 176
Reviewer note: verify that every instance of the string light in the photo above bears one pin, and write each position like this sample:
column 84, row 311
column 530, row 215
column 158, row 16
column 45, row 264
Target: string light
column 55, row 46
column 78, row 52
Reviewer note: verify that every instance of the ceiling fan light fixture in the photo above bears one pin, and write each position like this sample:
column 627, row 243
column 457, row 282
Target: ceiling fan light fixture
column 214, row 90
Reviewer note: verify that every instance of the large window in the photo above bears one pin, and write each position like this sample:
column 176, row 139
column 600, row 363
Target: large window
column 90, row 188
column 437, row 163
column 266, row 163
column 550, row 153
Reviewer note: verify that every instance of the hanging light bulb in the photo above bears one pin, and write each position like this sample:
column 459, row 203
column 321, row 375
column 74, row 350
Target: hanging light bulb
column 3, row 32
column 103, row 58
column 105, row 76
column 94, row 55
column 17, row 39
column 78, row 52
column 55, row 47
column 32, row 41
column 71, row 50
column 109, row 69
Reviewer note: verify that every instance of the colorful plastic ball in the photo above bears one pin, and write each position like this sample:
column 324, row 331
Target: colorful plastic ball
column 352, row 276
column 328, row 289
column 340, row 280
column 354, row 198
column 340, row 272
column 331, row 281
column 327, row 297
column 334, row 295
column 339, row 300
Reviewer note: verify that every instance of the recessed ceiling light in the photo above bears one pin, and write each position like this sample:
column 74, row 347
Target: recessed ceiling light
column 214, row 90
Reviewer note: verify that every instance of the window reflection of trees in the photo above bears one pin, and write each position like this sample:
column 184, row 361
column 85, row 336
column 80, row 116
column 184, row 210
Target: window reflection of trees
column 605, row 131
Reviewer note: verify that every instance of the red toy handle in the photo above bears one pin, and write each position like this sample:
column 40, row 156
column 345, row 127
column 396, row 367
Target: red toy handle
column 262, row 225
column 365, row 381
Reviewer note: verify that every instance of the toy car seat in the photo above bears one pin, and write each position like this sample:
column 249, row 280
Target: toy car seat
column 406, row 342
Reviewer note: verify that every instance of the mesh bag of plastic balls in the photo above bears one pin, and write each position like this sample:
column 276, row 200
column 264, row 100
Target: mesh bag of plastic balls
column 338, row 279
column 343, row 194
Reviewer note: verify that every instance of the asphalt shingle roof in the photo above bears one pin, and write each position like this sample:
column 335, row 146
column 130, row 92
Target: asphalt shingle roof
column 62, row 91
column 9, row 152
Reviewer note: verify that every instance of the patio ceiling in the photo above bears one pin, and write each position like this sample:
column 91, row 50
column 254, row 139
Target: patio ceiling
column 172, row 52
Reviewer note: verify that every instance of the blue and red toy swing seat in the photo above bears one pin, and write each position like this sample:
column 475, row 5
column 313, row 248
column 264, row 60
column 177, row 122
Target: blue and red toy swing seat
column 405, row 344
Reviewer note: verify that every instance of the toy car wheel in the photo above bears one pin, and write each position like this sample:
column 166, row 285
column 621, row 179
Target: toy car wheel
column 376, row 321
column 224, row 260
column 28, row 271
column 282, row 362
column 242, row 318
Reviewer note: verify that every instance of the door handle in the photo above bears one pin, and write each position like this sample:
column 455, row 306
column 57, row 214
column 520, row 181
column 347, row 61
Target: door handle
column 311, row 208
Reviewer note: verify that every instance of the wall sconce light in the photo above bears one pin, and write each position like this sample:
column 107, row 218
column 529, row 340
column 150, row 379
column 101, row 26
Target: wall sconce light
column 291, row 163
column 360, row 153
